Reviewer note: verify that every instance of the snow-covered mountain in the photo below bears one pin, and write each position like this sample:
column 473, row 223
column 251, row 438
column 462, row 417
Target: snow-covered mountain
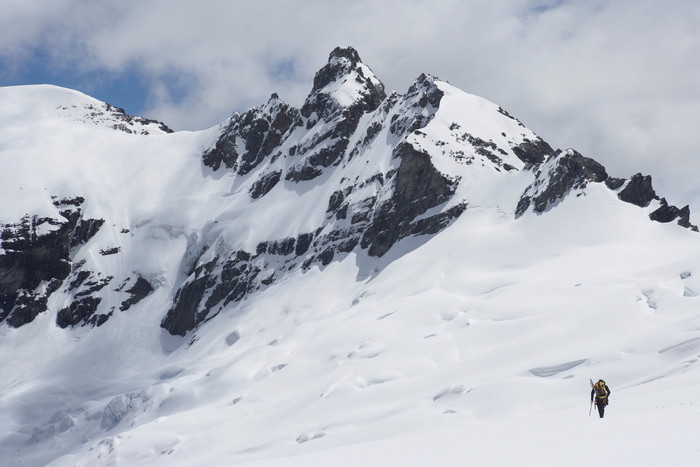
column 324, row 282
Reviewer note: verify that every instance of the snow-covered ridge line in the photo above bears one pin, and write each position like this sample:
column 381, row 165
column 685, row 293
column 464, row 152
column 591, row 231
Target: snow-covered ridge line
column 37, row 102
column 112, row 117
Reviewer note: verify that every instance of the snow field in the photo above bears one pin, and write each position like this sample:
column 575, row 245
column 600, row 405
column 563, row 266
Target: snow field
column 440, row 367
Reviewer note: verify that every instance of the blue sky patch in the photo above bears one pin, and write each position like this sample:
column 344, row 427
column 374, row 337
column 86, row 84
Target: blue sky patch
column 284, row 71
column 128, row 89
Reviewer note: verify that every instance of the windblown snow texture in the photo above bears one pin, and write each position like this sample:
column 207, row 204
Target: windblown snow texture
column 348, row 248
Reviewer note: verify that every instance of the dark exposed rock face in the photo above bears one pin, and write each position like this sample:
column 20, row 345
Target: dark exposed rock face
column 36, row 252
column 216, row 282
column 110, row 251
column 556, row 178
column 262, row 131
column 266, row 183
column 81, row 311
column 335, row 201
column 338, row 121
column 31, row 258
column 561, row 174
column 533, row 152
column 259, row 131
column 303, row 243
column 224, row 280
column 418, row 187
column 424, row 97
column 140, row 290
column 28, row 304
column 638, row 191
column 343, row 63
column 184, row 316
column 336, row 68
column 666, row 213
column 83, row 308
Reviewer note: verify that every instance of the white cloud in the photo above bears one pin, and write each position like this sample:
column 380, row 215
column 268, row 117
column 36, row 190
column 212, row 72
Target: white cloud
column 619, row 81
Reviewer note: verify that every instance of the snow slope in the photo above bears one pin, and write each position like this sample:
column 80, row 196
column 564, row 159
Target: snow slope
column 483, row 357
column 471, row 346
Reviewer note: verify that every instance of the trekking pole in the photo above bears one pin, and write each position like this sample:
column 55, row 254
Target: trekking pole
column 589, row 410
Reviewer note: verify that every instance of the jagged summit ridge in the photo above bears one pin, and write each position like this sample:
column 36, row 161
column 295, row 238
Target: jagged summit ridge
column 344, row 90
column 570, row 172
column 246, row 139
column 344, row 82
column 341, row 61
column 283, row 190
column 399, row 166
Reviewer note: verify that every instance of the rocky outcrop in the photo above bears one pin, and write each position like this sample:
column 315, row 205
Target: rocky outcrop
column 81, row 311
column 614, row 183
column 247, row 139
column 571, row 171
column 35, row 259
column 344, row 90
column 132, row 124
column 265, row 184
column 214, row 284
column 140, row 290
column 418, row 187
column 557, row 177
column 533, row 152
column 113, row 117
column 667, row 213
column 421, row 102
column 638, row 191
column 344, row 67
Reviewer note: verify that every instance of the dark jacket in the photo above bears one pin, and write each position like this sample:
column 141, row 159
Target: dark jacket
column 593, row 393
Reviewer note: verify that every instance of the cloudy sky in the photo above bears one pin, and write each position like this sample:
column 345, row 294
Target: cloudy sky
column 618, row 80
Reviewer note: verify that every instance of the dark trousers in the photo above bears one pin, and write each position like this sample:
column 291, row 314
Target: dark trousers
column 601, row 403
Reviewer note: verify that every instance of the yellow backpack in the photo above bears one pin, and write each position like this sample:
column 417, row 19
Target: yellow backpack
column 600, row 389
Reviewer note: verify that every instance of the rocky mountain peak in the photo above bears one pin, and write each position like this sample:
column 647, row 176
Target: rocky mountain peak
column 557, row 176
column 344, row 82
column 351, row 172
column 341, row 62
column 345, row 52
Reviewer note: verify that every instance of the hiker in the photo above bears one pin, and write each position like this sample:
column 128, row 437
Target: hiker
column 601, row 392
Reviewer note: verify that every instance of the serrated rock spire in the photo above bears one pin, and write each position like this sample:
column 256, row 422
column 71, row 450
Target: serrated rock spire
column 344, row 82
